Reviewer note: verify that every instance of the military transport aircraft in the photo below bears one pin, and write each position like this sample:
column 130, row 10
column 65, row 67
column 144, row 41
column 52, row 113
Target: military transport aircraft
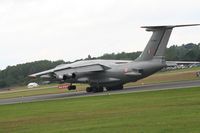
column 113, row 74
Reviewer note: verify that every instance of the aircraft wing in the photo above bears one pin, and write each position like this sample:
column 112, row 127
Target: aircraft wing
column 43, row 73
column 67, row 69
column 86, row 68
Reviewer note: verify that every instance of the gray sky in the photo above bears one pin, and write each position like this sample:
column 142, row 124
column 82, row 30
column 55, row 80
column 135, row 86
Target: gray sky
column 33, row 30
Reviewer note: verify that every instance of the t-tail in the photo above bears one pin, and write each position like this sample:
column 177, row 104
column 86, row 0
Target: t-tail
column 157, row 44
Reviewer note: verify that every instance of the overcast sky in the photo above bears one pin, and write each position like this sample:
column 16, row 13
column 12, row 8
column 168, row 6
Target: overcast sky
column 33, row 30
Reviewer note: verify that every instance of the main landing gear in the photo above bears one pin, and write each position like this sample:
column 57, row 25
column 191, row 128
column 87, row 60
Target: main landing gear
column 119, row 87
column 100, row 89
column 97, row 89
column 94, row 89
column 72, row 87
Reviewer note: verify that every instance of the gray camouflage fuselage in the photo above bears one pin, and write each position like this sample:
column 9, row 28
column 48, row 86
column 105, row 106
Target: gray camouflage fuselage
column 119, row 72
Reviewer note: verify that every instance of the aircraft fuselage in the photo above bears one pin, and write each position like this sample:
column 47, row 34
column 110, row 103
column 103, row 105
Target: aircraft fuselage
column 118, row 73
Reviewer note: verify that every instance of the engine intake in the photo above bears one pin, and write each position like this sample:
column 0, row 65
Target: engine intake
column 69, row 76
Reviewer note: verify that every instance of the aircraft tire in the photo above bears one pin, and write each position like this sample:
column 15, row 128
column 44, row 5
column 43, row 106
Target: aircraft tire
column 120, row 87
column 89, row 89
column 108, row 88
column 72, row 87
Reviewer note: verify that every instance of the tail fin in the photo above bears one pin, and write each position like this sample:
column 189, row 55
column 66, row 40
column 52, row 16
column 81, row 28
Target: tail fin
column 158, row 41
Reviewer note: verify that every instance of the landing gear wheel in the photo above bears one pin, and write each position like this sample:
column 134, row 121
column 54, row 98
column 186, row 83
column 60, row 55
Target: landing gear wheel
column 72, row 87
column 120, row 87
column 94, row 89
column 89, row 89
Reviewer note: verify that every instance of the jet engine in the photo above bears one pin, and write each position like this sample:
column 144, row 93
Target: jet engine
column 69, row 76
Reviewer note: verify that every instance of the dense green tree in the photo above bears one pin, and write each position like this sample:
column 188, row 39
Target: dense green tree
column 18, row 75
column 2, row 84
column 121, row 56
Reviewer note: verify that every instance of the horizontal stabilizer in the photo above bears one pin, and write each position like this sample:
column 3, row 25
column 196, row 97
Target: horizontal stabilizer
column 150, row 28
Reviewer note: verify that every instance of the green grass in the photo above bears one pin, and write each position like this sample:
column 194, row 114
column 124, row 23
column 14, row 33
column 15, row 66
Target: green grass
column 174, row 111
column 32, row 92
column 51, row 90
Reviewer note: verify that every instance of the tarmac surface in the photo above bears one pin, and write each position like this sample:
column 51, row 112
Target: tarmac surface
column 151, row 87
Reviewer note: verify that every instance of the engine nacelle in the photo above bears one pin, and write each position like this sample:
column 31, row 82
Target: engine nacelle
column 68, row 76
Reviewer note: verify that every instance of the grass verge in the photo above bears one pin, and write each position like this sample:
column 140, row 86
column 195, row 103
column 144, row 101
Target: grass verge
column 163, row 111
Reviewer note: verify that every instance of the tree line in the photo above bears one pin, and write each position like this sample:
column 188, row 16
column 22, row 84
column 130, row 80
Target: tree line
column 18, row 74
column 185, row 52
